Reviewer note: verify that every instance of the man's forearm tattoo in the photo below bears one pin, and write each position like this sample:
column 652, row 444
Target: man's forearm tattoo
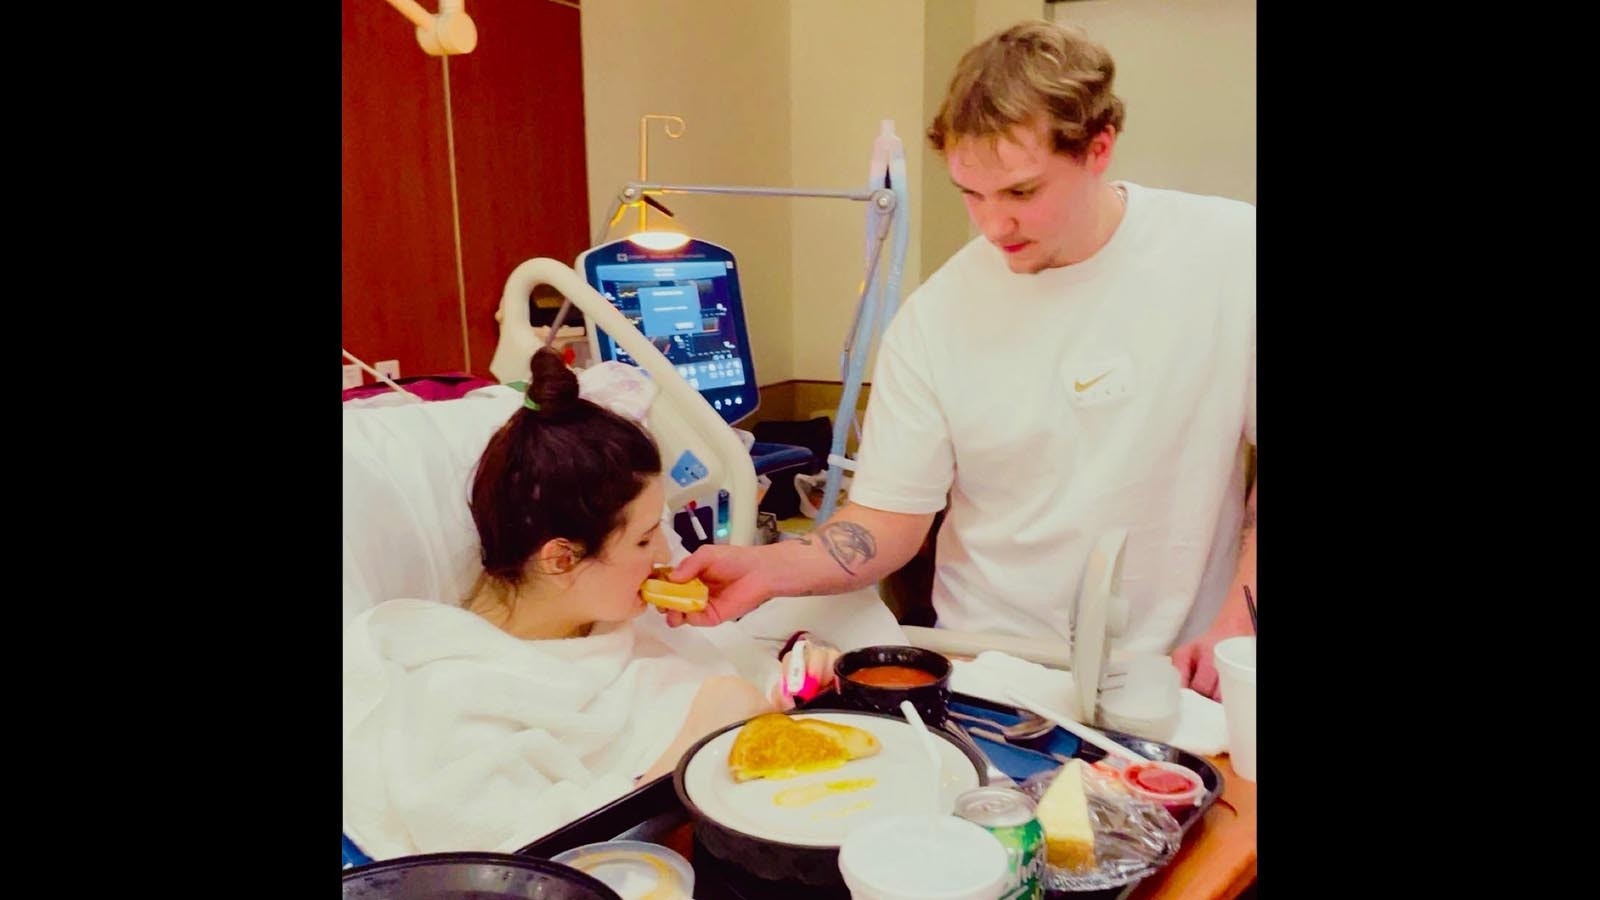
column 848, row 543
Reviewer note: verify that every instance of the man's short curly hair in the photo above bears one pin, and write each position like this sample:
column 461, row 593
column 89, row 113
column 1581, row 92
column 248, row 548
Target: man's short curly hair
column 1031, row 71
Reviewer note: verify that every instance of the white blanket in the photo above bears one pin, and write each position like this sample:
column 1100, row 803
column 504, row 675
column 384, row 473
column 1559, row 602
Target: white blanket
column 459, row 736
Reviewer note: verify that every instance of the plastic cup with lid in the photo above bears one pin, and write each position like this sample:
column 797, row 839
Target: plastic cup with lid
column 1236, row 672
column 921, row 857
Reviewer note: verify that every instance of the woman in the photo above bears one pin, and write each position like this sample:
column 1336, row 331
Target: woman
column 485, row 724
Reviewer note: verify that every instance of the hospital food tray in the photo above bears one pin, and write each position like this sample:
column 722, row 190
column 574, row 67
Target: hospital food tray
column 654, row 813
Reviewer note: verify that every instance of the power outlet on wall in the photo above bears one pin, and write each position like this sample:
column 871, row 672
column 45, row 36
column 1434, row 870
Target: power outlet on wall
column 352, row 376
column 389, row 367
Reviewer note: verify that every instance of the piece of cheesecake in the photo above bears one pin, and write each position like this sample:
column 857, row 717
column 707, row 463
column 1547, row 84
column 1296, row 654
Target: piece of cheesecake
column 1064, row 813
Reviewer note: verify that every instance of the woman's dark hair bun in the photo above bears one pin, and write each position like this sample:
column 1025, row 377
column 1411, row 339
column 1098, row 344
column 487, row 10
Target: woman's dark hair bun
column 552, row 385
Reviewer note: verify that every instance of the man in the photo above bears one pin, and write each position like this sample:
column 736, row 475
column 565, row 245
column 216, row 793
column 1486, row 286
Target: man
column 1087, row 364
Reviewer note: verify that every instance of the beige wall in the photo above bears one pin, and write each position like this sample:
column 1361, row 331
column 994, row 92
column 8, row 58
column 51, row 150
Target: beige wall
column 944, row 217
column 853, row 65
column 989, row 16
column 723, row 65
column 1187, row 71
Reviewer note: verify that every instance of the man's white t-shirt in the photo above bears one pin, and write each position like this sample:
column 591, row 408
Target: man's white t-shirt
column 1052, row 407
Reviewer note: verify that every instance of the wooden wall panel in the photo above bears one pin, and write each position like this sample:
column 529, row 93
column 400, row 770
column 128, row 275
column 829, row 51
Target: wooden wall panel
column 517, row 106
column 398, row 284
column 519, row 149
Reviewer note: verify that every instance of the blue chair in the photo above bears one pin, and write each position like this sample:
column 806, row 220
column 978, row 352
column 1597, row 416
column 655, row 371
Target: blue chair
column 770, row 457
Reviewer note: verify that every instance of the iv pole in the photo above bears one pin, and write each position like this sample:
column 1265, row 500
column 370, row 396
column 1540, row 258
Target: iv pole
column 888, row 204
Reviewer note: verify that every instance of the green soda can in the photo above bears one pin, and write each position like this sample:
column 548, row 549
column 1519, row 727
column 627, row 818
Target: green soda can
column 1012, row 817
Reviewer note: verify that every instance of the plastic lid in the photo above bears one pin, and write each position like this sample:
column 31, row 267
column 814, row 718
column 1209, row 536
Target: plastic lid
column 634, row 869
column 920, row 857
column 1145, row 699
column 1169, row 784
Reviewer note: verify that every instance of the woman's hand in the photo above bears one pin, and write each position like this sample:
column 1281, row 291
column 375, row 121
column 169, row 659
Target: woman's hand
column 721, row 700
column 819, row 660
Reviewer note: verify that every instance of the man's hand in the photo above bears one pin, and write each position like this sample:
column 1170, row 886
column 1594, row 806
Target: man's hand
column 735, row 576
column 855, row 548
column 1197, row 667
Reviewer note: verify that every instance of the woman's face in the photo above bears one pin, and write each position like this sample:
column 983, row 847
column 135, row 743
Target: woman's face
column 611, row 578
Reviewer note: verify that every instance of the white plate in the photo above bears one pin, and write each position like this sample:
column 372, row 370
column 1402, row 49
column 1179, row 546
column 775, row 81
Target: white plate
column 902, row 782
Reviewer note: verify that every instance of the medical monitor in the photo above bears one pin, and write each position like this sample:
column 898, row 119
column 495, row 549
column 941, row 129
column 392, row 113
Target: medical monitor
column 687, row 302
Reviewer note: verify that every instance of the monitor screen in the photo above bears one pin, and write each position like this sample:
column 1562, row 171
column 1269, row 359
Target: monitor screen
column 687, row 303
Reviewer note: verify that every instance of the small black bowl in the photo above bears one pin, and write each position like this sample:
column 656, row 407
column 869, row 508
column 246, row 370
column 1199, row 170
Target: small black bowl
column 931, row 700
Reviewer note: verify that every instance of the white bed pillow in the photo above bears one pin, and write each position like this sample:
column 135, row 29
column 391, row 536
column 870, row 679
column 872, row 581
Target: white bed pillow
column 407, row 473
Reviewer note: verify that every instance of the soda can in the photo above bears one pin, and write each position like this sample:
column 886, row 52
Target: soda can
column 1013, row 818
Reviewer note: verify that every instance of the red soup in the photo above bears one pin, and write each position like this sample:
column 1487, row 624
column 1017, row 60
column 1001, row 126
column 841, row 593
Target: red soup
column 892, row 677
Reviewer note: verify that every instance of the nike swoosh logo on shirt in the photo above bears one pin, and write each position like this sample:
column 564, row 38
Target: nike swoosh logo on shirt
column 1081, row 386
